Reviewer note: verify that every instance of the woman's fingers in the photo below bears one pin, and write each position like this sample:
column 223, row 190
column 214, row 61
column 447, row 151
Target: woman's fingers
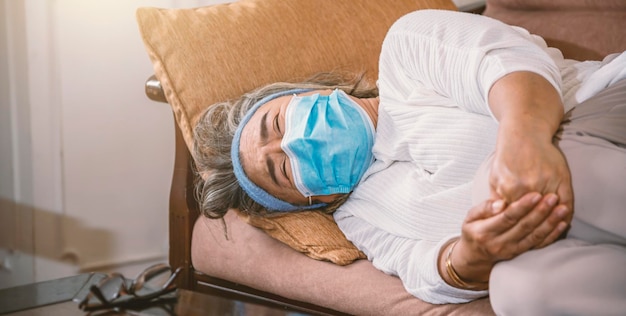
column 489, row 219
column 511, row 216
column 530, row 221
column 566, row 198
column 533, row 221
column 484, row 210
column 532, row 230
column 550, row 229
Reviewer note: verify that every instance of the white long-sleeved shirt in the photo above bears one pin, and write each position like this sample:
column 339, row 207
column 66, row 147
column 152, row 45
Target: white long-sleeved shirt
column 434, row 130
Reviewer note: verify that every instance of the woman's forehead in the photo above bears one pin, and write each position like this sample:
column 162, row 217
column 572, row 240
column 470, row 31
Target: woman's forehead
column 254, row 124
column 280, row 101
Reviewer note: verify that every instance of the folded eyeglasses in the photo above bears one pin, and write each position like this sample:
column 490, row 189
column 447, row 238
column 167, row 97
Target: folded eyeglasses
column 114, row 291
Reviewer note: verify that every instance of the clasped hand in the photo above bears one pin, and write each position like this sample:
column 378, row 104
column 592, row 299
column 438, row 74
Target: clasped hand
column 529, row 208
column 494, row 231
column 529, row 163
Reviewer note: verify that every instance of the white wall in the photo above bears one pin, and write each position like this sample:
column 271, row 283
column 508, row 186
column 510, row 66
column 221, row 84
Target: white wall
column 16, row 242
column 85, row 157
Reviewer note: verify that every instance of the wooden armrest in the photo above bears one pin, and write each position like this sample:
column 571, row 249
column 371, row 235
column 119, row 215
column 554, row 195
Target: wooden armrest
column 154, row 91
column 183, row 209
column 183, row 212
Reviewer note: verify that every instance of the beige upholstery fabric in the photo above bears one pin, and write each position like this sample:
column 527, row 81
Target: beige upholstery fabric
column 269, row 265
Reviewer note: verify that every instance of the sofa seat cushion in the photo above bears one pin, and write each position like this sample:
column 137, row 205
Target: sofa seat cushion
column 235, row 251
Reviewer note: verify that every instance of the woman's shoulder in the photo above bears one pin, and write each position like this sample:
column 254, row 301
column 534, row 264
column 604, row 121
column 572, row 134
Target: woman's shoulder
column 434, row 19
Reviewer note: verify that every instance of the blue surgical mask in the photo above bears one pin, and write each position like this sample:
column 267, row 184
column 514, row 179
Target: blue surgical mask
column 329, row 141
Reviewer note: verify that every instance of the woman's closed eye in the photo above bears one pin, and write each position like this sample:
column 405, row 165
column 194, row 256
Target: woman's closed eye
column 283, row 168
column 277, row 125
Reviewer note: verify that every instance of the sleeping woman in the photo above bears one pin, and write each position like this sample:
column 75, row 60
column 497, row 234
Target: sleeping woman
column 459, row 173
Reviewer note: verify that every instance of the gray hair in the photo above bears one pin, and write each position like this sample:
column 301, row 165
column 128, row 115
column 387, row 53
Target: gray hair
column 217, row 189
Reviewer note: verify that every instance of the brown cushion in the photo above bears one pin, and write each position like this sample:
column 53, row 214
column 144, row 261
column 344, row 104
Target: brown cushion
column 210, row 54
column 206, row 55
column 313, row 233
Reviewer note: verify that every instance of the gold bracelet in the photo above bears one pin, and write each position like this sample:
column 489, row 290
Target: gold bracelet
column 454, row 276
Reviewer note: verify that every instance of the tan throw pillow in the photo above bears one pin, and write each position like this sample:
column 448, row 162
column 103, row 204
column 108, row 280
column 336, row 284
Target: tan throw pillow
column 205, row 55
column 211, row 54
column 313, row 233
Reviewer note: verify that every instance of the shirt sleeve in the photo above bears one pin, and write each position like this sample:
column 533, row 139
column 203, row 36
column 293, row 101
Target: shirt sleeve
column 458, row 56
column 413, row 261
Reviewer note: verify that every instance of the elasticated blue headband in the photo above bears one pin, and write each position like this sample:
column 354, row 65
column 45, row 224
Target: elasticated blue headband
column 255, row 192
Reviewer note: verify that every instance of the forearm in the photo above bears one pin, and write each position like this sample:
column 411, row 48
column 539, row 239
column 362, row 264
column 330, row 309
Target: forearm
column 530, row 110
column 526, row 105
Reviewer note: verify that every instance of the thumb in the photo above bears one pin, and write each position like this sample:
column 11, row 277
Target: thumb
column 485, row 210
